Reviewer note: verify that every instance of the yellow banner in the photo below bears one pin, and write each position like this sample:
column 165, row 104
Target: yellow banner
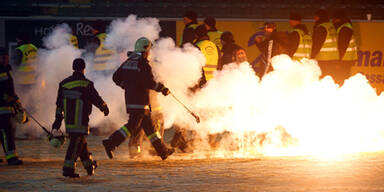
column 369, row 37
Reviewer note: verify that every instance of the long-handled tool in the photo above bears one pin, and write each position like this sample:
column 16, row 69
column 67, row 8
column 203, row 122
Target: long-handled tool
column 55, row 141
column 193, row 114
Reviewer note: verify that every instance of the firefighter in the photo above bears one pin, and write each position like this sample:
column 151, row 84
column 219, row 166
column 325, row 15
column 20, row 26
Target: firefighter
column 135, row 142
column 103, row 57
column 346, row 45
column 324, row 44
column 231, row 52
column 135, row 77
column 75, row 98
column 9, row 105
column 299, row 38
column 190, row 21
column 213, row 33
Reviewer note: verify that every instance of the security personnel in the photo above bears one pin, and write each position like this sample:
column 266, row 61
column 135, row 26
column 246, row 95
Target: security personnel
column 9, row 104
column 74, row 41
column 103, row 56
column 346, row 45
column 324, row 43
column 190, row 21
column 210, row 51
column 75, row 98
column 300, row 41
column 213, row 33
column 25, row 62
column 135, row 77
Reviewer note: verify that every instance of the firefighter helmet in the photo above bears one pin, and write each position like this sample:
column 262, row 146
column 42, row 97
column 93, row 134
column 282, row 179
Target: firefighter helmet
column 142, row 44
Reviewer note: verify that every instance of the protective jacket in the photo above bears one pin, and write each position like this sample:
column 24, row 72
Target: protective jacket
column 26, row 71
column 74, row 102
column 8, row 96
column 135, row 77
column 73, row 40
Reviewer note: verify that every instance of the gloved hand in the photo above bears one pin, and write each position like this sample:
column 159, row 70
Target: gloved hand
column 165, row 91
column 56, row 125
column 105, row 109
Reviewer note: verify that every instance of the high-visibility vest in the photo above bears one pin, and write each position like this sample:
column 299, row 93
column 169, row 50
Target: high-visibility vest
column 102, row 55
column 209, row 49
column 351, row 52
column 329, row 49
column 193, row 26
column 74, row 41
column 305, row 45
column 215, row 36
column 26, row 72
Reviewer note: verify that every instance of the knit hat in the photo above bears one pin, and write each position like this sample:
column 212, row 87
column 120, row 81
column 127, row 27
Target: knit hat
column 191, row 15
column 78, row 64
column 210, row 21
column 227, row 36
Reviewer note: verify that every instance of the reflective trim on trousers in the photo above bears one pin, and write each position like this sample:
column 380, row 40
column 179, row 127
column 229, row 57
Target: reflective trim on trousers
column 154, row 136
column 124, row 131
column 10, row 154
column 134, row 106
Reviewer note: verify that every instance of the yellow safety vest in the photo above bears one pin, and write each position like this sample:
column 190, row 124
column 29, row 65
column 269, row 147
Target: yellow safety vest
column 102, row 55
column 351, row 52
column 209, row 49
column 74, row 41
column 305, row 45
column 193, row 26
column 329, row 49
column 26, row 72
column 215, row 36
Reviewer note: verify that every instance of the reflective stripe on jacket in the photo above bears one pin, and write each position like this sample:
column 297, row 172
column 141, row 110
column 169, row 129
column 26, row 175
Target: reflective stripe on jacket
column 26, row 72
column 329, row 49
column 209, row 49
column 215, row 36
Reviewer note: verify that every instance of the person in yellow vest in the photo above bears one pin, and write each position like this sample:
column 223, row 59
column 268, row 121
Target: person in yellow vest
column 300, row 42
column 9, row 108
column 102, row 56
column 25, row 61
column 346, row 45
column 213, row 34
column 324, row 44
column 190, row 21
column 210, row 51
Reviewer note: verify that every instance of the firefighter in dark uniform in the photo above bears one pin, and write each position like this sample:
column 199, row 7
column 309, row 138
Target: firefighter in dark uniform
column 190, row 21
column 135, row 77
column 9, row 105
column 75, row 98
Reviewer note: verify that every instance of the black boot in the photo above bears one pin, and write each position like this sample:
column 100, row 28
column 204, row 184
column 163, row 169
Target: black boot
column 112, row 142
column 70, row 172
column 162, row 150
column 14, row 161
column 91, row 169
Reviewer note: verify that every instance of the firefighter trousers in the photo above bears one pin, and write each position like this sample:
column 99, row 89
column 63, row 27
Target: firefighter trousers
column 77, row 148
column 7, row 134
